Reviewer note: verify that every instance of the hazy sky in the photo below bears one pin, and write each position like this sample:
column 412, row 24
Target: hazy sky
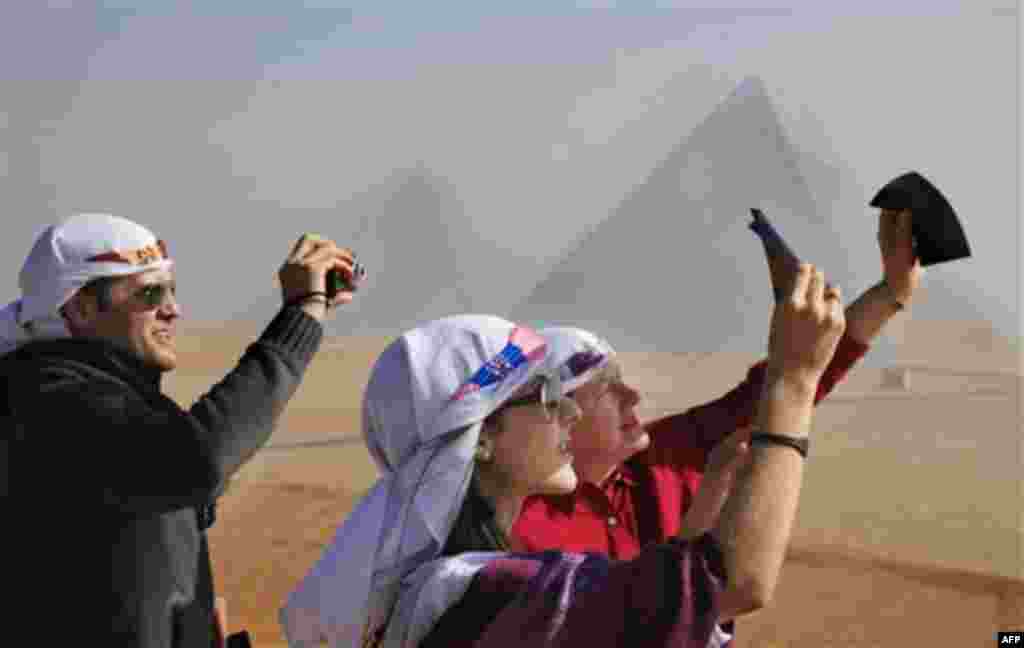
column 242, row 123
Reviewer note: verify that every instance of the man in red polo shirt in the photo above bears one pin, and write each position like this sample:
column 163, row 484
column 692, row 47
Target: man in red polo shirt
column 636, row 480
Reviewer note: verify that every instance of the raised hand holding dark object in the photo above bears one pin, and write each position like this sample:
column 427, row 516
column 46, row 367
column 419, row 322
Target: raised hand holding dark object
column 782, row 261
column 807, row 324
column 902, row 269
column 306, row 276
column 938, row 235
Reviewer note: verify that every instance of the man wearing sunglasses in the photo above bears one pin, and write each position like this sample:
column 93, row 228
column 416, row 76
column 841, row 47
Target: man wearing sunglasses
column 111, row 483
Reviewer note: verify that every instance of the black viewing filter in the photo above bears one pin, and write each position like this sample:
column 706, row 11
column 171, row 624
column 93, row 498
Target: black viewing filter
column 780, row 256
column 938, row 235
column 774, row 245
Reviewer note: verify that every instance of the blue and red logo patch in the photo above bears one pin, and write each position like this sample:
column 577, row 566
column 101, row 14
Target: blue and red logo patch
column 523, row 346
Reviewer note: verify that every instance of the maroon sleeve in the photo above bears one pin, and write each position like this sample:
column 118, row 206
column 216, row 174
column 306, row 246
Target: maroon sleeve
column 686, row 438
column 667, row 596
column 493, row 589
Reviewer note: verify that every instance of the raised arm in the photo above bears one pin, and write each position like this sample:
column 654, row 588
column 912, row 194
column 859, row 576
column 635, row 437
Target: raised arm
column 143, row 452
column 242, row 410
column 758, row 497
column 237, row 416
column 866, row 318
column 676, row 437
column 902, row 274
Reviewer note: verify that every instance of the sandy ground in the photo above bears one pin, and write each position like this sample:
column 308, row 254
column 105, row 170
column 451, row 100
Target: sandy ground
column 910, row 525
column 280, row 513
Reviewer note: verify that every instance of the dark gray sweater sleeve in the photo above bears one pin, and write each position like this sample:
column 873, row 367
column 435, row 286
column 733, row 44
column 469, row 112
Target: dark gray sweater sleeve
column 146, row 454
column 239, row 413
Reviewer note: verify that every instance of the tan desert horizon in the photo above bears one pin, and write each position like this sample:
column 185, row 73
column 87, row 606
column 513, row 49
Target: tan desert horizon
column 910, row 524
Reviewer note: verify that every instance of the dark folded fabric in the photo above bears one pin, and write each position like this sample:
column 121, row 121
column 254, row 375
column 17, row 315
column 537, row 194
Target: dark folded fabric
column 782, row 261
column 938, row 235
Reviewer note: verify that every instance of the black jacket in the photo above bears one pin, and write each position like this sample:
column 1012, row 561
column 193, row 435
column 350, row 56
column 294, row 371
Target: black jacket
column 111, row 482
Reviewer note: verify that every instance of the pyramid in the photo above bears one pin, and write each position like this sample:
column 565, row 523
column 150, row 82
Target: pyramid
column 406, row 231
column 674, row 268
column 408, row 234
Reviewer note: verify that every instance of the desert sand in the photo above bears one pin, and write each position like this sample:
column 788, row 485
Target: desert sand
column 909, row 531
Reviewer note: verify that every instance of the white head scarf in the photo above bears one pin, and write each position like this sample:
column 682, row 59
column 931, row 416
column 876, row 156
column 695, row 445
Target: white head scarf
column 65, row 257
column 425, row 403
column 576, row 354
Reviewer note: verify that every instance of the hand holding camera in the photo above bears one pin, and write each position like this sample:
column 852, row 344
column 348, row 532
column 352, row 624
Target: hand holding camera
column 319, row 275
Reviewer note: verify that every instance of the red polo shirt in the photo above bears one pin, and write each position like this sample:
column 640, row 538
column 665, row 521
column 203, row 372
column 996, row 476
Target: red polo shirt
column 644, row 500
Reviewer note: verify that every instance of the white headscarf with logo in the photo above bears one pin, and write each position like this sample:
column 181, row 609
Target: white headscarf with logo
column 423, row 409
column 65, row 257
column 576, row 354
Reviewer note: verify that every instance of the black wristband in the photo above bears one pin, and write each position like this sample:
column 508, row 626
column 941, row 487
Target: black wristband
column 301, row 299
column 801, row 445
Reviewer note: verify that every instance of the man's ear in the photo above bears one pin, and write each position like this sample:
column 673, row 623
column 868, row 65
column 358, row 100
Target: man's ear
column 80, row 311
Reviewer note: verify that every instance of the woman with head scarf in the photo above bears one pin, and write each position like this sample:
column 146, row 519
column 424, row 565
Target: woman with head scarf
column 466, row 418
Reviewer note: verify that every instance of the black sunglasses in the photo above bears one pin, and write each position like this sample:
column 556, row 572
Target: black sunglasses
column 154, row 295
